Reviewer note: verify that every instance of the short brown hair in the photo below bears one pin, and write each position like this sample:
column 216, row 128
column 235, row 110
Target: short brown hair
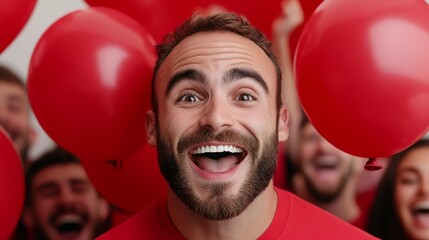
column 229, row 22
column 7, row 75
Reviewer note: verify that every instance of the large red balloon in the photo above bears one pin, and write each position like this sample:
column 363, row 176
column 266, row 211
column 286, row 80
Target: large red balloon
column 131, row 183
column 362, row 74
column 89, row 83
column 11, row 185
column 157, row 16
column 14, row 14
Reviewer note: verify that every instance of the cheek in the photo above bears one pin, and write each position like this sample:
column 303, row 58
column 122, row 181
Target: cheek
column 261, row 124
column 402, row 197
column 43, row 210
column 307, row 150
column 19, row 121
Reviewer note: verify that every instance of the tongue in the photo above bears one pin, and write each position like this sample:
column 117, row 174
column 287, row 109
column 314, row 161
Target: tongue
column 422, row 219
column 216, row 166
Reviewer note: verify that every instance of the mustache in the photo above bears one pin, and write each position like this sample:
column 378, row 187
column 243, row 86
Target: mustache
column 248, row 142
column 70, row 209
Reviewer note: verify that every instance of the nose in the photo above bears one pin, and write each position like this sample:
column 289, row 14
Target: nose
column 424, row 187
column 324, row 145
column 217, row 114
column 66, row 196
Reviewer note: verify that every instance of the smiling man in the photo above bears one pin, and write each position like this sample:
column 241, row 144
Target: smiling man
column 327, row 176
column 15, row 111
column 217, row 119
column 61, row 201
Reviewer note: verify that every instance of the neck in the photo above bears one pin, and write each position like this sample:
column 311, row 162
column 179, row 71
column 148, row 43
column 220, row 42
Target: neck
column 344, row 206
column 259, row 214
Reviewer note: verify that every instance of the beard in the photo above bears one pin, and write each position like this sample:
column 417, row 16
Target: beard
column 323, row 196
column 24, row 151
column 218, row 206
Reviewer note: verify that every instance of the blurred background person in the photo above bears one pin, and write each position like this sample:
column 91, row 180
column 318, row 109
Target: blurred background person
column 61, row 202
column 326, row 176
column 401, row 204
column 15, row 112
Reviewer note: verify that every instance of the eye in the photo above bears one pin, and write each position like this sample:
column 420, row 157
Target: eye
column 79, row 187
column 310, row 138
column 189, row 98
column 245, row 97
column 48, row 192
column 408, row 179
column 16, row 107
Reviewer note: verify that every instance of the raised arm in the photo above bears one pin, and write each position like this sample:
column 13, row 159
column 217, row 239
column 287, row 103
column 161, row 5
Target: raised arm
column 283, row 27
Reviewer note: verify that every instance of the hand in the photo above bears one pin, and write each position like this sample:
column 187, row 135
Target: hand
column 291, row 18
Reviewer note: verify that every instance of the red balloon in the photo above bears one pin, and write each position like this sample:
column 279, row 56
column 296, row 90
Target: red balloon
column 14, row 14
column 89, row 83
column 131, row 183
column 159, row 17
column 11, row 185
column 362, row 74
column 259, row 13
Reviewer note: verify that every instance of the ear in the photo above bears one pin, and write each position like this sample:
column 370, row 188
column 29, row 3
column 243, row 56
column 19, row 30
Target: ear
column 28, row 217
column 283, row 129
column 151, row 128
column 103, row 209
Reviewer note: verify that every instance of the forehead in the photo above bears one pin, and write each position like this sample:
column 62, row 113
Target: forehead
column 214, row 51
column 417, row 158
column 59, row 173
column 7, row 88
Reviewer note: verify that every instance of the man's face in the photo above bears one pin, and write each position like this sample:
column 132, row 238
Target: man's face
column 217, row 131
column 325, row 169
column 64, row 204
column 14, row 115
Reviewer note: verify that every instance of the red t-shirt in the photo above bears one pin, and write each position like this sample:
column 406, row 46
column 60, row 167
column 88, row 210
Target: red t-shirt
column 294, row 219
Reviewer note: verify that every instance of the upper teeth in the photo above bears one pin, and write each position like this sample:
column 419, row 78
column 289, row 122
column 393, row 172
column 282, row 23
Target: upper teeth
column 216, row 149
column 421, row 206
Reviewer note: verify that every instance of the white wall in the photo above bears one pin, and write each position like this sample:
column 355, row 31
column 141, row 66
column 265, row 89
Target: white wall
column 17, row 55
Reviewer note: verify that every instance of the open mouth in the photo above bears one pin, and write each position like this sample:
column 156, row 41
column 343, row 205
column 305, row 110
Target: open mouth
column 325, row 166
column 217, row 158
column 325, row 163
column 69, row 224
column 421, row 209
column 420, row 212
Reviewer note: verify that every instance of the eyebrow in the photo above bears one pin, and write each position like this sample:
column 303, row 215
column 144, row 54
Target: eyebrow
column 240, row 73
column 15, row 98
column 52, row 184
column 408, row 169
column 44, row 186
column 230, row 76
column 189, row 74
